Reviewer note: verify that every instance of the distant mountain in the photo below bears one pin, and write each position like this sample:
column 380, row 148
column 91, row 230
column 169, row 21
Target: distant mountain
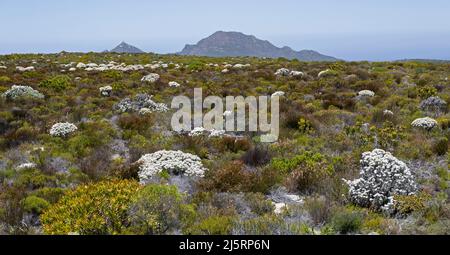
column 234, row 44
column 124, row 47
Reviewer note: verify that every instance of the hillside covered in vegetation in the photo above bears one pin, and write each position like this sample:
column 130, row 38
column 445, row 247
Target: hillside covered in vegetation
column 86, row 147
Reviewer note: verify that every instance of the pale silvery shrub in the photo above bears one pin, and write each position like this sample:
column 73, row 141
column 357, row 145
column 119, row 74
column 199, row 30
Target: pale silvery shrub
column 106, row 91
column 282, row 72
column 62, row 129
column 434, row 105
column 139, row 102
column 175, row 162
column 325, row 73
column 388, row 113
column 174, row 84
column 17, row 91
column 25, row 166
column 198, row 131
column 216, row 133
column 366, row 93
column 424, row 123
column 151, row 78
column 381, row 177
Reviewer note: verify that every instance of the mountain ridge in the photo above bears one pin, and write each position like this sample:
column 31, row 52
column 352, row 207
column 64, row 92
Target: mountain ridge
column 235, row 44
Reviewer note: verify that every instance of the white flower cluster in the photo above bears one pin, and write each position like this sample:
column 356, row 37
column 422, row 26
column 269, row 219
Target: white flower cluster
column 241, row 66
column 176, row 162
column 366, row 93
column 388, row 113
column 200, row 131
column 151, row 78
column 110, row 66
column 381, row 177
column 3, row 67
column 140, row 102
column 433, row 104
column 174, row 84
column 26, row 166
column 106, row 91
column 17, row 91
column 24, row 69
column 287, row 72
column 62, row 129
column 424, row 123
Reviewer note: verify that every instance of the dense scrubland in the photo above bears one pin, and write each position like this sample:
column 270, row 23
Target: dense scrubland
column 363, row 147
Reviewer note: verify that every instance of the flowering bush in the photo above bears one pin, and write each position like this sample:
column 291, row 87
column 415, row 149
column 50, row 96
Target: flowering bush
column 176, row 162
column 424, row 123
column 62, row 129
column 17, row 91
column 174, row 84
column 151, row 78
column 366, row 93
column 282, row 72
column 105, row 91
column 140, row 101
column 382, row 176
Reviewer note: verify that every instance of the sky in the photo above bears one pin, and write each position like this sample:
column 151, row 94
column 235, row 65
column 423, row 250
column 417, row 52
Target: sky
column 372, row 30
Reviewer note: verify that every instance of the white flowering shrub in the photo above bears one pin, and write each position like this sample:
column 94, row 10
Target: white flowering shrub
column 216, row 133
column 25, row 166
column 139, row 102
column 106, row 91
column 381, row 177
column 366, row 93
column 62, row 129
column 198, row 131
column 326, row 73
column 424, row 123
column 25, row 69
column 175, row 162
column 388, row 113
column 282, row 72
column 151, row 78
column 174, row 84
column 296, row 74
column 17, row 91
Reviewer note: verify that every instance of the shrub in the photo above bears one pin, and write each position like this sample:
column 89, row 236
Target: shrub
column 408, row 204
column 259, row 204
column 347, row 221
column 214, row 225
column 427, row 91
column 382, row 176
column 440, row 147
column 57, row 83
column 100, row 208
column 34, row 204
column 319, row 209
column 256, row 156
column 230, row 178
column 159, row 209
column 308, row 176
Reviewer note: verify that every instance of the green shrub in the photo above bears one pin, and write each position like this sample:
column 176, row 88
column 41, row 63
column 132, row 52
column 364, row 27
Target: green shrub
column 215, row 225
column 100, row 208
column 440, row 147
column 414, row 203
column 34, row 204
column 159, row 209
column 347, row 221
column 57, row 83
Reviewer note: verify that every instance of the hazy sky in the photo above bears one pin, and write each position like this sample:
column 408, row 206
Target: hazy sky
column 347, row 29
